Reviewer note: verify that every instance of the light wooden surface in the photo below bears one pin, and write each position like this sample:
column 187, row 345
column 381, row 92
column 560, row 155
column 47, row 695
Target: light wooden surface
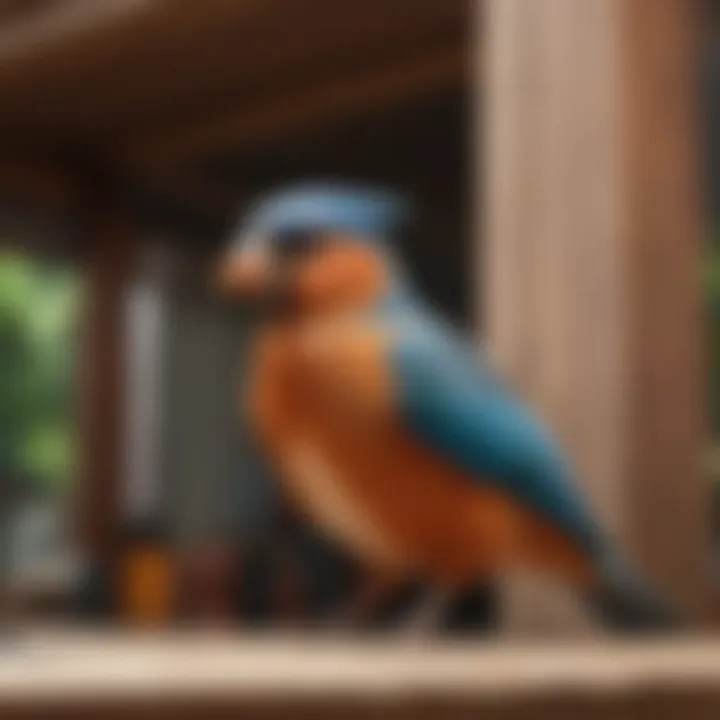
column 64, row 666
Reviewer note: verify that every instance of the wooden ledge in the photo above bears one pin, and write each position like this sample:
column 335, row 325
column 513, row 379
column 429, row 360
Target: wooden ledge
column 204, row 675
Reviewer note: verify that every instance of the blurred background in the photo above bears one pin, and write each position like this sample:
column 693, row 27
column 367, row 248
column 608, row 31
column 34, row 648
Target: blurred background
column 566, row 161
column 137, row 132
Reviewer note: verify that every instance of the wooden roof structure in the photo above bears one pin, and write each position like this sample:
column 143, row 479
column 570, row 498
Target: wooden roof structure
column 191, row 105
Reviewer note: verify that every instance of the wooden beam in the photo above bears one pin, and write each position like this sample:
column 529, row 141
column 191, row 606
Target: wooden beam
column 249, row 125
column 108, row 263
column 592, row 257
column 60, row 22
column 670, row 494
column 70, row 28
column 224, row 675
column 94, row 82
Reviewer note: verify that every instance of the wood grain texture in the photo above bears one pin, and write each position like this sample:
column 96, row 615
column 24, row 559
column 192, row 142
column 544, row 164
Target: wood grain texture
column 592, row 292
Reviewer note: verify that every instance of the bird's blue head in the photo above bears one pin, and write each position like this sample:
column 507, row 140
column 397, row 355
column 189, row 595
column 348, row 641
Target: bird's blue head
column 317, row 246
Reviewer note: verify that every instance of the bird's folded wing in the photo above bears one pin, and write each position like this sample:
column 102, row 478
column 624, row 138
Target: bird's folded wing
column 452, row 405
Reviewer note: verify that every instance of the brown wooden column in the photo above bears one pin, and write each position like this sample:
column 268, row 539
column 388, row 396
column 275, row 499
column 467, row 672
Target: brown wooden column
column 108, row 262
column 591, row 254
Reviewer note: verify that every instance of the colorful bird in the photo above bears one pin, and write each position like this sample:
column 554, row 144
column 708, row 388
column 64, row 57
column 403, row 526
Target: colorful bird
column 388, row 429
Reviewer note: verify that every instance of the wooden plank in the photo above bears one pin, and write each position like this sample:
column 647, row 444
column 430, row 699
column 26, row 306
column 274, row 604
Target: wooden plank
column 110, row 675
column 311, row 40
column 72, row 29
column 303, row 108
column 549, row 214
column 59, row 23
column 202, row 56
column 669, row 499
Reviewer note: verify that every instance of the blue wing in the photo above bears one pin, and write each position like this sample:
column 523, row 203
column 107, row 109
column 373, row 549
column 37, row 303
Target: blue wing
column 455, row 405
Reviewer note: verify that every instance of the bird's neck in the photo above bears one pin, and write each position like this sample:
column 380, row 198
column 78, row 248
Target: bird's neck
column 390, row 292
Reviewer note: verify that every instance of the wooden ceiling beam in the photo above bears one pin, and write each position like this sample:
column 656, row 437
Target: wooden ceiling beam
column 301, row 109
column 308, row 39
column 73, row 39
column 112, row 68
column 76, row 25
column 41, row 32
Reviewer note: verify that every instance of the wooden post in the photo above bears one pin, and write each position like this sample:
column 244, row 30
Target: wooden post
column 108, row 256
column 592, row 255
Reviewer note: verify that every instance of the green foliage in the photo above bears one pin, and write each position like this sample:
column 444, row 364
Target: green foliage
column 712, row 285
column 38, row 312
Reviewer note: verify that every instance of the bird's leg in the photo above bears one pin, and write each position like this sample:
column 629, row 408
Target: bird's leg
column 474, row 609
column 426, row 619
column 376, row 586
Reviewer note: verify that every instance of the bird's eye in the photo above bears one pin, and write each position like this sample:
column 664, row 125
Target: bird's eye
column 289, row 246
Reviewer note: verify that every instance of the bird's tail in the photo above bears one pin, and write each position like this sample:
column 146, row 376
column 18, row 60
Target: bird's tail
column 628, row 603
